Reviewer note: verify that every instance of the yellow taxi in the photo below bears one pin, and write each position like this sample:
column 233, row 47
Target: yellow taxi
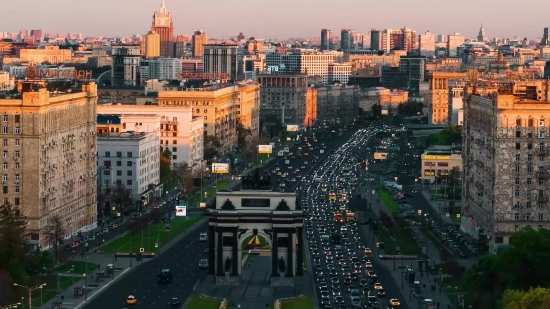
column 368, row 264
column 368, row 251
column 131, row 300
column 278, row 173
column 377, row 286
column 394, row 302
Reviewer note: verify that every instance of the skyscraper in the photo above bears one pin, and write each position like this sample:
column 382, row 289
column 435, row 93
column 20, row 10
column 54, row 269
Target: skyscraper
column 199, row 40
column 481, row 37
column 375, row 39
column 544, row 40
column 162, row 24
column 346, row 39
column 326, row 36
column 221, row 58
column 152, row 45
column 426, row 44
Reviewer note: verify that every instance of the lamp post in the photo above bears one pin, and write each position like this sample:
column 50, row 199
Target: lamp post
column 10, row 306
column 30, row 289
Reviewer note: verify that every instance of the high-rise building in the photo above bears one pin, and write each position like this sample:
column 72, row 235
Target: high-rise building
column 310, row 63
column 221, row 58
column 199, row 40
column 125, row 65
column 408, row 39
column 481, row 37
column 375, row 39
column 346, row 39
column 164, row 68
column 453, row 42
column 37, row 35
column 544, row 40
column 152, row 45
column 326, row 36
column 248, row 106
column 426, row 44
column 506, row 147
column 162, row 24
column 179, row 46
column 50, row 159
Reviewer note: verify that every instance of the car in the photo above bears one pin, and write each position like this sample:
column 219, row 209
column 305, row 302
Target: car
column 131, row 300
column 325, row 301
column 336, row 292
column 203, row 236
column 377, row 286
column 368, row 251
column 381, row 292
column 363, row 282
column 394, row 302
column 355, row 292
column 334, row 279
column 174, row 302
column 339, row 300
column 368, row 265
column 351, row 287
column 203, row 264
column 356, row 301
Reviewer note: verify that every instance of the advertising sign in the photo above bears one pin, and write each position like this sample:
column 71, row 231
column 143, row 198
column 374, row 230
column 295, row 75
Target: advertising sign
column 268, row 149
column 384, row 112
column 292, row 128
column 220, row 168
column 380, row 156
column 181, row 211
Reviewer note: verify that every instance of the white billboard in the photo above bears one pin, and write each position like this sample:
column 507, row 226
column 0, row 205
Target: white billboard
column 220, row 168
column 265, row 149
column 181, row 211
column 384, row 112
column 292, row 128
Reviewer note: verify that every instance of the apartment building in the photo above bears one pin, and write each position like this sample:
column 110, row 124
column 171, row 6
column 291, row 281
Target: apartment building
column 51, row 54
column 175, row 125
column 221, row 58
column 506, row 158
column 7, row 82
column 152, row 45
column 49, row 158
column 161, row 68
column 436, row 99
column 326, row 37
column 198, row 41
column 310, row 63
column 131, row 159
column 125, row 65
column 453, row 42
column 339, row 72
column 387, row 98
column 216, row 104
column 426, row 44
column 248, row 106
column 337, row 103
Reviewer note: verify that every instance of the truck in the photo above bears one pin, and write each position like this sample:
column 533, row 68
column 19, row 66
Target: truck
column 350, row 216
column 281, row 153
column 325, row 239
column 286, row 149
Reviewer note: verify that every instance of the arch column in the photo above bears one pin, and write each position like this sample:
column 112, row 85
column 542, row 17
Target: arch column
column 289, row 254
column 274, row 256
column 219, row 254
column 299, row 254
column 235, row 266
column 211, row 250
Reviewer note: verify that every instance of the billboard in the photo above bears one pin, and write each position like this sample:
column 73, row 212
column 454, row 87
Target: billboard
column 220, row 168
column 181, row 211
column 384, row 112
column 292, row 128
column 380, row 155
column 265, row 149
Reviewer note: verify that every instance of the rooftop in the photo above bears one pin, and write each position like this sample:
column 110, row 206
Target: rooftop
column 129, row 135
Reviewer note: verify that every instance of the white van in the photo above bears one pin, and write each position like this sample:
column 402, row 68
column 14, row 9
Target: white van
column 203, row 236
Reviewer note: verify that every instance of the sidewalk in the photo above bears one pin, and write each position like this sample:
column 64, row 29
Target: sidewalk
column 437, row 206
column 431, row 251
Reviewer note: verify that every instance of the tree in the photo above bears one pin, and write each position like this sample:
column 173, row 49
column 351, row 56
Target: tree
column 121, row 197
column 376, row 110
column 282, row 206
column 228, row 205
column 212, row 147
column 13, row 241
column 251, row 150
column 137, row 224
column 185, row 174
column 533, row 298
column 55, row 235
column 39, row 263
column 154, row 216
column 165, row 164
column 6, row 287
column 243, row 135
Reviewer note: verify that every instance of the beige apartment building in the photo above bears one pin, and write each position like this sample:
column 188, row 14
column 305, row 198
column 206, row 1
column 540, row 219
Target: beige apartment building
column 49, row 158
column 506, row 158
column 217, row 105
column 248, row 106
column 436, row 99
column 438, row 161
column 51, row 54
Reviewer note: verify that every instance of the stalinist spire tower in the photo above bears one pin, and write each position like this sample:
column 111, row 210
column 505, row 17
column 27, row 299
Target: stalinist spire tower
column 162, row 24
column 481, row 37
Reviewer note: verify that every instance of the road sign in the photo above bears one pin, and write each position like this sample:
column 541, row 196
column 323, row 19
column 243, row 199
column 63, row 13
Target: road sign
column 141, row 250
column 156, row 244
column 86, row 244
column 448, row 215
column 167, row 228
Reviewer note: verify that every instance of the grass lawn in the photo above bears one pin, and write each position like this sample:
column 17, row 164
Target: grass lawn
column 302, row 303
column 199, row 302
column 154, row 232
column 196, row 199
column 254, row 240
column 436, row 241
column 78, row 267
column 401, row 238
column 387, row 199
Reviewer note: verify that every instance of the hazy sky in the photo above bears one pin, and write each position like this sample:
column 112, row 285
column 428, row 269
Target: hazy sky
column 277, row 18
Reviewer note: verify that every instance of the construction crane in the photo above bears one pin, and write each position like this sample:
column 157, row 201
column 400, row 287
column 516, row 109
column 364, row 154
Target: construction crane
column 195, row 75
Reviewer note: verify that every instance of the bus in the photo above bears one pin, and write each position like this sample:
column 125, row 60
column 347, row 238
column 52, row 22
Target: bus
column 338, row 217
column 332, row 196
column 350, row 216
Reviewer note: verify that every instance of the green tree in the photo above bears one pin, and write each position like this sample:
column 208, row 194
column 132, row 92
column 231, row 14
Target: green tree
column 533, row 298
column 13, row 241
column 212, row 147
column 55, row 235
column 40, row 262
column 121, row 197
column 243, row 135
column 6, row 287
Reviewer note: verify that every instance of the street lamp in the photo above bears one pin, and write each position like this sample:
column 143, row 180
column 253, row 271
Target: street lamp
column 11, row 306
column 30, row 289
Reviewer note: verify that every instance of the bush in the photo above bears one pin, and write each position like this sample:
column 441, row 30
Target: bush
column 454, row 269
column 446, row 256
column 400, row 221
column 385, row 220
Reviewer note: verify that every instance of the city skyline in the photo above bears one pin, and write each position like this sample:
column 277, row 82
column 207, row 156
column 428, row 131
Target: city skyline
column 125, row 18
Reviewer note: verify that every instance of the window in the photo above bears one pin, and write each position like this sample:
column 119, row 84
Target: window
column 530, row 146
column 529, row 181
column 129, row 191
column 16, row 189
column 174, row 134
column 129, row 182
column 530, row 122
column 17, row 178
column 5, row 118
column 5, row 142
column 5, row 166
column 118, row 163
column 442, row 163
column 17, row 142
column 128, row 173
column 16, row 166
column 518, row 133
column 118, row 182
column 129, row 163
column 518, row 158
column 527, row 216
column 129, row 154
column 5, row 200
column 529, row 158
column 16, row 201
column 5, row 154
column 119, row 154
column 541, row 216
column 541, row 158
column 541, row 123
column 541, row 146
column 17, row 118
column 174, row 157
column 516, row 205
column 174, row 149
column 528, row 205
column 107, row 172
column 17, row 154
column 174, row 142
column 5, row 189
column 107, row 153
column 17, row 130
column 518, row 122
column 119, row 173
column 516, row 193
column 517, row 169
column 541, row 182
column 516, row 216
column 5, row 177
column 529, row 169
column 541, row 135
column 516, row 181
column 518, row 146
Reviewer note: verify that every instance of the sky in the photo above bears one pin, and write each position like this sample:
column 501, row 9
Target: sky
column 277, row 18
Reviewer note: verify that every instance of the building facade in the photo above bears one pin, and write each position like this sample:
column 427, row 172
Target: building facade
column 310, row 63
column 436, row 99
column 131, row 159
column 177, row 129
column 438, row 162
column 347, row 39
column 152, row 45
column 221, row 58
column 426, row 44
column 125, row 65
column 199, row 40
column 337, row 103
column 453, row 42
column 326, row 36
column 339, row 73
column 162, row 24
column 506, row 141
column 164, row 69
column 248, row 106
column 48, row 167
column 7, row 82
